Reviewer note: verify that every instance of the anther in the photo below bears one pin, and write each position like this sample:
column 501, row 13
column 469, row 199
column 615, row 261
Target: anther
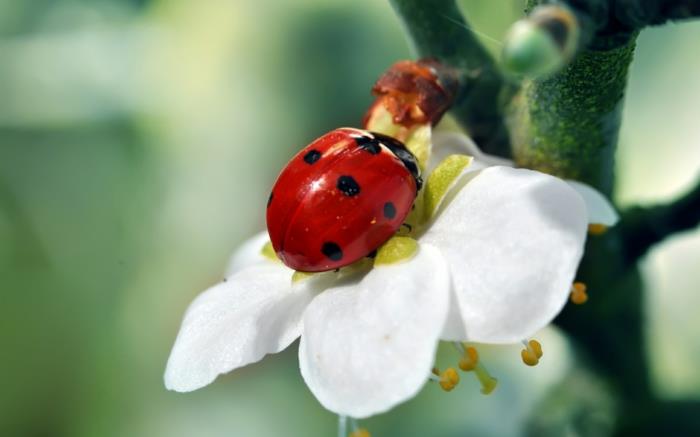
column 597, row 229
column 470, row 363
column 357, row 431
column 578, row 293
column 532, row 353
column 450, row 379
column 470, row 359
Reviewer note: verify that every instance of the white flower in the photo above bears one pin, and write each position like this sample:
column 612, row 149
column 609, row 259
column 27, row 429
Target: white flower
column 494, row 265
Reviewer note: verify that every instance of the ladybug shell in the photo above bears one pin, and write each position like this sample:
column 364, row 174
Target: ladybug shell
column 340, row 198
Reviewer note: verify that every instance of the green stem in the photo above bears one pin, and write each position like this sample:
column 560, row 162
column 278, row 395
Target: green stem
column 637, row 14
column 438, row 30
column 642, row 228
column 567, row 125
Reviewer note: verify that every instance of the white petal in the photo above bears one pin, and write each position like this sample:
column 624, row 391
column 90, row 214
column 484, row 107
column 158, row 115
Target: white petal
column 248, row 253
column 255, row 312
column 451, row 143
column 370, row 346
column 513, row 239
column 454, row 329
column 600, row 210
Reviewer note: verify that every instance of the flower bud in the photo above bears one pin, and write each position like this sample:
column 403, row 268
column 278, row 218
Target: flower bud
column 542, row 43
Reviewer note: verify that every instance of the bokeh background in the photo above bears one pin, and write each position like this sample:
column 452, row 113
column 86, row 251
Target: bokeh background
column 138, row 142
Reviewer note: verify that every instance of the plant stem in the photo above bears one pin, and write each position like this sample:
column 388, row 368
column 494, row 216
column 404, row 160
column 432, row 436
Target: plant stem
column 438, row 30
column 642, row 228
column 567, row 125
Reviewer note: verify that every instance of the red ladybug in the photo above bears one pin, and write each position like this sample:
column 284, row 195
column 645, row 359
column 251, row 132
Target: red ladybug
column 341, row 198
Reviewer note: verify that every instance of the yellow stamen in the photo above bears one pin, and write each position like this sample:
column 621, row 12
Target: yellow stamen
column 597, row 229
column 532, row 353
column 578, row 293
column 470, row 362
column 360, row 432
column 449, row 379
column 488, row 382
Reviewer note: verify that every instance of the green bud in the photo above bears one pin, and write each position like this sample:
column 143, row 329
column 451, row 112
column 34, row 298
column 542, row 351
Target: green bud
column 542, row 43
column 530, row 50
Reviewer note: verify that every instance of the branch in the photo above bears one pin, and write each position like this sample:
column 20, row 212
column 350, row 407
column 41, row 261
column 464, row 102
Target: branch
column 438, row 30
column 567, row 124
column 637, row 14
column 553, row 32
column 642, row 228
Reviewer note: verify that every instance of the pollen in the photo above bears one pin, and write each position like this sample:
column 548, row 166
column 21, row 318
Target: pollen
column 448, row 379
column 532, row 353
column 469, row 360
column 360, row 432
column 597, row 229
column 578, row 293
column 470, row 363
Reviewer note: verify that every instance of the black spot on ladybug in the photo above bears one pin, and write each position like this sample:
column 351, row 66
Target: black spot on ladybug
column 332, row 251
column 269, row 199
column 370, row 145
column 348, row 186
column 312, row 156
column 389, row 210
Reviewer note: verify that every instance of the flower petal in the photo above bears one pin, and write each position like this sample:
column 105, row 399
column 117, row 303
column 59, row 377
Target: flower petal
column 255, row 312
column 248, row 253
column 369, row 346
column 513, row 239
column 457, row 143
column 600, row 210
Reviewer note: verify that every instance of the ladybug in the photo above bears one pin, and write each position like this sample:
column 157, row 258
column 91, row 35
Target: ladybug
column 340, row 198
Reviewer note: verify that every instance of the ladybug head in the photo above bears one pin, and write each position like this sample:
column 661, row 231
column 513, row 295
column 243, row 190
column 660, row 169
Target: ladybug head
column 404, row 155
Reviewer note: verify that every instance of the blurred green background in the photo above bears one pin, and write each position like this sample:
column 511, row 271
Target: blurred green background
column 138, row 142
